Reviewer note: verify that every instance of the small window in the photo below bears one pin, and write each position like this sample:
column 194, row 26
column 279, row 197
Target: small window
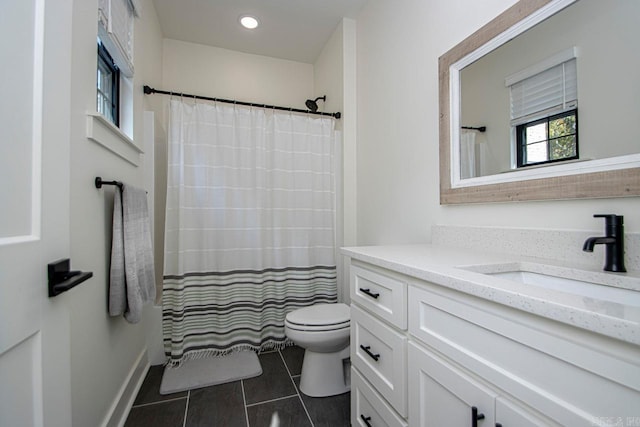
column 108, row 86
column 548, row 140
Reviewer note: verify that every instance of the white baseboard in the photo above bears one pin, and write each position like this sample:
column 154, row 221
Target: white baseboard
column 119, row 410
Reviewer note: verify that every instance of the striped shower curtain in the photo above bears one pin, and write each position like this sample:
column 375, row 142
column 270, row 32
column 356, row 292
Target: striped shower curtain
column 250, row 226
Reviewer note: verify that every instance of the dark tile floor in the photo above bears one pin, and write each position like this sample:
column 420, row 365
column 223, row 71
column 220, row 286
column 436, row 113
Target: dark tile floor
column 245, row 403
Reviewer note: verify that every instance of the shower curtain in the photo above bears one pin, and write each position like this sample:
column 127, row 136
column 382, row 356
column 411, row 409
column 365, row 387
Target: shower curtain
column 250, row 226
column 475, row 155
column 467, row 154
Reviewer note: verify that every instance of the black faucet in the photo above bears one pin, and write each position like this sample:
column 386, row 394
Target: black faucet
column 613, row 241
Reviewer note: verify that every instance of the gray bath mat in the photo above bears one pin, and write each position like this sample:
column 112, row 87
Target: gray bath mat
column 205, row 372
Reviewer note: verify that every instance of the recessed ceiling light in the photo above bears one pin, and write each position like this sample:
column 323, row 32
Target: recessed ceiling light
column 249, row 22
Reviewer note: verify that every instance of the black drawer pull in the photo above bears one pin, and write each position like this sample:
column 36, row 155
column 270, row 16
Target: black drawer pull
column 498, row 425
column 368, row 292
column 366, row 420
column 368, row 351
column 475, row 416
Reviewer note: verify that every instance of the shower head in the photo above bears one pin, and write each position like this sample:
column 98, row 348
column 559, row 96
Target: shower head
column 312, row 104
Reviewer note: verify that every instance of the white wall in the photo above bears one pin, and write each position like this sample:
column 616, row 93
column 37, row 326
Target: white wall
column 327, row 72
column 398, row 45
column 222, row 73
column 104, row 350
column 334, row 76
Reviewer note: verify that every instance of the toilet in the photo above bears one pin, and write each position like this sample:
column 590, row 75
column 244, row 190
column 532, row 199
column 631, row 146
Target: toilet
column 323, row 331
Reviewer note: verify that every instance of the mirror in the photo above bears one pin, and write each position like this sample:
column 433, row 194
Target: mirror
column 474, row 92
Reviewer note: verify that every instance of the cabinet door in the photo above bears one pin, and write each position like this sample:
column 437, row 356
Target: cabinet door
column 509, row 414
column 442, row 395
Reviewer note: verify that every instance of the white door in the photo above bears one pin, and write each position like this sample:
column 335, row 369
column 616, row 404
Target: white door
column 35, row 50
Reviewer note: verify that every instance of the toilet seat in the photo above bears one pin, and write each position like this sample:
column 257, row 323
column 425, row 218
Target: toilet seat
column 319, row 317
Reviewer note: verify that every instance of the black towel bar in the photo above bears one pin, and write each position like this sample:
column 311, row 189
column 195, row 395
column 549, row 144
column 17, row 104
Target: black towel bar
column 99, row 183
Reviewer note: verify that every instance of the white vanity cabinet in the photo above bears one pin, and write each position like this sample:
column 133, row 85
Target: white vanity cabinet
column 378, row 347
column 454, row 359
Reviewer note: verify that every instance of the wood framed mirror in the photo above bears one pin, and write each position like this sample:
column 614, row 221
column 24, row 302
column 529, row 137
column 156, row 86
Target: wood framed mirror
column 587, row 177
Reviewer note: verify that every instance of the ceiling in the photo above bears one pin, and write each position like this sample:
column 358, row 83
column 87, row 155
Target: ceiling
column 296, row 30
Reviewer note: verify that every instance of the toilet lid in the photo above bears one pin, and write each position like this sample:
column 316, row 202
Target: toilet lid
column 320, row 315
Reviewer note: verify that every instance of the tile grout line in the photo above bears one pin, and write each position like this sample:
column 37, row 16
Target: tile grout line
column 296, row 388
column 186, row 410
column 270, row 400
column 244, row 401
column 158, row 402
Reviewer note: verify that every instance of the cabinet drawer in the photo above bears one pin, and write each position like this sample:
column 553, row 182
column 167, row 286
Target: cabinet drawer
column 380, row 354
column 381, row 294
column 367, row 405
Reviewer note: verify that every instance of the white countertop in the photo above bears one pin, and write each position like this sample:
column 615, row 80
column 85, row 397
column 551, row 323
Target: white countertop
column 448, row 267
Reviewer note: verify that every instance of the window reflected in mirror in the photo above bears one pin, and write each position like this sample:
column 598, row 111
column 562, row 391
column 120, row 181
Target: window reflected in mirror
column 548, row 140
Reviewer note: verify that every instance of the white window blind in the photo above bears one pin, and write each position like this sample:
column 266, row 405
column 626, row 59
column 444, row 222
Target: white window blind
column 544, row 94
column 115, row 29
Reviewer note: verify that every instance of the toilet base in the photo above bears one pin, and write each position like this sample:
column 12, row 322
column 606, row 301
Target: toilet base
column 323, row 374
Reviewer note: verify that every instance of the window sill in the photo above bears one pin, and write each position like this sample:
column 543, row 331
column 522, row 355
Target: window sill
column 104, row 133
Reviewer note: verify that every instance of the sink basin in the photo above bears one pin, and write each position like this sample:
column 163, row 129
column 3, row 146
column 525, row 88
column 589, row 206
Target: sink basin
column 587, row 284
column 571, row 286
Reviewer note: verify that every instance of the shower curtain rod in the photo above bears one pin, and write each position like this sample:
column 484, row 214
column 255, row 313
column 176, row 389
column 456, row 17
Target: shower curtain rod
column 149, row 90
